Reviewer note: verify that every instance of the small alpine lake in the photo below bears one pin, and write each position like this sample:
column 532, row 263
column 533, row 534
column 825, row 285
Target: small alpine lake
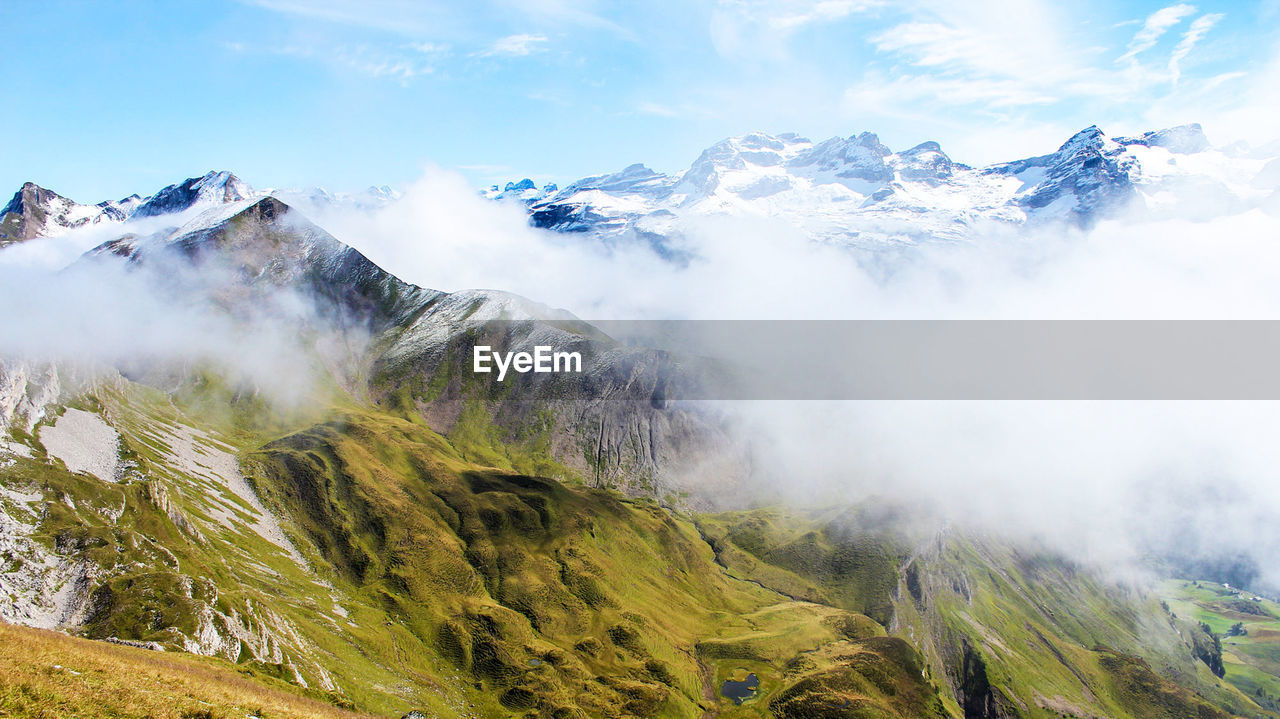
column 740, row 686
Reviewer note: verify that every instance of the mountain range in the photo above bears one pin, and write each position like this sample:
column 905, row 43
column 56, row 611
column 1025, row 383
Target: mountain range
column 855, row 191
column 851, row 191
column 406, row 539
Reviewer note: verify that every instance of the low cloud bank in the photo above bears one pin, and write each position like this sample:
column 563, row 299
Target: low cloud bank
column 1109, row 481
column 1114, row 482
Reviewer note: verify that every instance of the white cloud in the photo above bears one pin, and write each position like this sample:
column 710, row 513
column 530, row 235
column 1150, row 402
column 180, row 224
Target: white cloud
column 517, row 45
column 995, row 57
column 374, row 62
column 429, row 48
column 1156, row 25
column 761, row 28
column 398, row 16
column 653, row 108
column 1199, row 28
column 822, row 11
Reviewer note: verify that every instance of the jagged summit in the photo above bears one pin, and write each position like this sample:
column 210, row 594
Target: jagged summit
column 35, row 211
column 255, row 247
column 1183, row 139
column 38, row 212
column 212, row 187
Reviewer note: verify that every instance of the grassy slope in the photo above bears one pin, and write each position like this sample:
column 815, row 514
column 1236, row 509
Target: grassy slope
column 1010, row 633
column 1252, row 661
column 51, row 676
column 570, row 601
column 433, row 581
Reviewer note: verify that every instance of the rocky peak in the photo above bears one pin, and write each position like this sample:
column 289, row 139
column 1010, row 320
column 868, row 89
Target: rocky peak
column 1183, row 139
column 860, row 157
column 215, row 187
column 34, row 211
column 633, row 178
column 925, row 161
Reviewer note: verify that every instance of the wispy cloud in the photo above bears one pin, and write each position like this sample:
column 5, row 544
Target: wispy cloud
column 1199, row 28
column 517, row 45
column 1156, row 25
column 429, row 48
column 1005, row 63
column 365, row 60
column 998, row 59
column 791, row 18
column 399, row 16
column 653, row 108
column 747, row 28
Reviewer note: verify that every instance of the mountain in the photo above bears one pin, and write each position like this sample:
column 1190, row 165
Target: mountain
column 856, row 191
column 37, row 212
column 407, row 538
column 412, row 348
column 211, row 189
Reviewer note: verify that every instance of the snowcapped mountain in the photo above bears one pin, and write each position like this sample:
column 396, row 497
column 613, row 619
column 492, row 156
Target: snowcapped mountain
column 38, row 212
column 525, row 190
column 852, row 191
column 35, row 212
column 211, row 189
column 857, row 191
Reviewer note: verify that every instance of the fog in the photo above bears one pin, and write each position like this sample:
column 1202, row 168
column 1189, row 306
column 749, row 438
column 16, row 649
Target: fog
column 164, row 317
column 1109, row 481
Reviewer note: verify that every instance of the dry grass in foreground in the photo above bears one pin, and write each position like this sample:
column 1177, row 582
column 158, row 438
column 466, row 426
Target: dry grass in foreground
column 48, row 675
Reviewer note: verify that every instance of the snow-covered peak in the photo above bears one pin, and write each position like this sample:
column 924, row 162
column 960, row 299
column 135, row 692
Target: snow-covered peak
column 36, row 212
column 526, row 191
column 754, row 152
column 856, row 190
column 1183, row 139
column 634, row 179
column 212, row 188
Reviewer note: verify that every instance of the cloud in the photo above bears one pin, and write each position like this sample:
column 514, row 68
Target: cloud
column 746, row 29
column 1199, row 28
column 517, row 45
column 429, row 48
column 969, row 66
column 374, row 62
column 405, row 17
column 796, row 15
column 1156, row 25
column 653, row 108
column 992, row 58
column 1082, row 475
column 165, row 317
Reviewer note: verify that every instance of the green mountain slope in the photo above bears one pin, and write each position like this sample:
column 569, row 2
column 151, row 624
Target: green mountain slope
column 405, row 577
column 404, row 538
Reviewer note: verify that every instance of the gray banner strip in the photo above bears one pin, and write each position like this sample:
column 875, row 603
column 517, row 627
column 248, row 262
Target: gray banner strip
column 969, row 359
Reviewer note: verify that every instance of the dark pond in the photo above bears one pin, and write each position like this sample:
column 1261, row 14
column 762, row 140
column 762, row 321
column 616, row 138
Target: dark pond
column 740, row 691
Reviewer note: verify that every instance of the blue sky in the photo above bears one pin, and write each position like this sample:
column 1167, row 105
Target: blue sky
column 105, row 99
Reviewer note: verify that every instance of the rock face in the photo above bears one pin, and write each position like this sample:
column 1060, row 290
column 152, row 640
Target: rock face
column 27, row 390
column 1087, row 177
